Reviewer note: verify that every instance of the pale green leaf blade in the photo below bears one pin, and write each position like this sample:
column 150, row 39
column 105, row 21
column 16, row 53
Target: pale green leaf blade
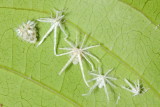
column 29, row 75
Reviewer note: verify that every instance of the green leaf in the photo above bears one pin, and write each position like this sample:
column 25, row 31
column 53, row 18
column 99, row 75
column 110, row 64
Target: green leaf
column 149, row 8
column 130, row 44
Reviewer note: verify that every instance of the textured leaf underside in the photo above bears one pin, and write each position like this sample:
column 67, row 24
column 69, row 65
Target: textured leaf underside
column 130, row 44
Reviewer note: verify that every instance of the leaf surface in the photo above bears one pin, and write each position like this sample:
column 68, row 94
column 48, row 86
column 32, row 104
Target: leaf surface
column 130, row 44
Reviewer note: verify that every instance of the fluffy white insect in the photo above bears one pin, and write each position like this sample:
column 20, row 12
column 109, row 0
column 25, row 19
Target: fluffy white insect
column 55, row 23
column 77, row 53
column 101, row 81
column 27, row 32
column 135, row 88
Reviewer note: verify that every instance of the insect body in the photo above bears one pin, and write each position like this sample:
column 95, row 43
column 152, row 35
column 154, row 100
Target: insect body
column 76, row 53
column 135, row 88
column 27, row 32
column 101, row 82
column 55, row 23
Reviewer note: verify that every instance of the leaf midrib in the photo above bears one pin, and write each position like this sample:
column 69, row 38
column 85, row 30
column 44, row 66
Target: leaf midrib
column 74, row 103
column 106, row 49
column 145, row 15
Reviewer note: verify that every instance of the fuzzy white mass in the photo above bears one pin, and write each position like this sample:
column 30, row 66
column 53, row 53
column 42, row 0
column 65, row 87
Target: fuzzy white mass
column 27, row 32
